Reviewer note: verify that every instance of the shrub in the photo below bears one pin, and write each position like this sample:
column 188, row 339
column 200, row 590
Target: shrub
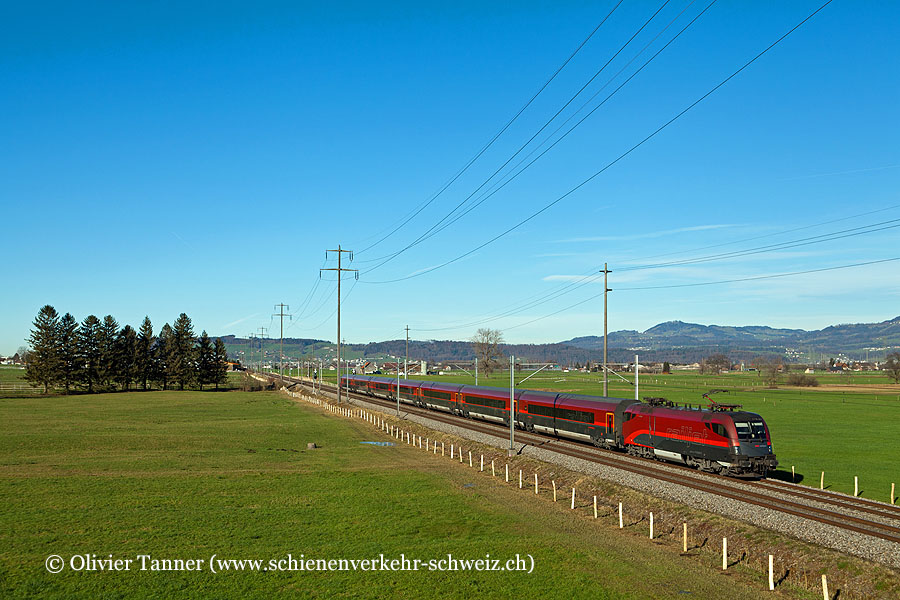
column 802, row 380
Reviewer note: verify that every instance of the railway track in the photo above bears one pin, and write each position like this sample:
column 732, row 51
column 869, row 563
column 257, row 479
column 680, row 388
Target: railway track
column 774, row 495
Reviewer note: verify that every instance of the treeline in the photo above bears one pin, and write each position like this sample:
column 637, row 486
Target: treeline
column 96, row 355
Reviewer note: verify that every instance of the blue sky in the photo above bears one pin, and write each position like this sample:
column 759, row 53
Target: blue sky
column 200, row 157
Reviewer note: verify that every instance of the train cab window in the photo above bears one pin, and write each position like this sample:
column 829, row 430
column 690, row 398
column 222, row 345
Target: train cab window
column 754, row 430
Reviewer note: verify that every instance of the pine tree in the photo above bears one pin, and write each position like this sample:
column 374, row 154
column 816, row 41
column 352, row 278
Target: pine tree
column 144, row 353
column 184, row 361
column 162, row 356
column 205, row 360
column 126, row 357
column 68, row 350
column 43, row 366
column 220, row 373
column 89, row 351
column 106, row 367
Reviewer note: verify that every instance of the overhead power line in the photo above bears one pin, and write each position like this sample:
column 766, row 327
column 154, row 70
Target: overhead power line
column 441, row 225
column 496, row 135
column 707, row 283
column 614, row 161
column 514, row 173
column 594, row 274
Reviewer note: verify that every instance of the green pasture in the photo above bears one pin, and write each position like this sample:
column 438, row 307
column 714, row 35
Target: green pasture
column 15, row 375
column 845, row 433
column 189, row 474
column 10, row 374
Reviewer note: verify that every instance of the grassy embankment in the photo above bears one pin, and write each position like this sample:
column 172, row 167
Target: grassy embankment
column 189, row 474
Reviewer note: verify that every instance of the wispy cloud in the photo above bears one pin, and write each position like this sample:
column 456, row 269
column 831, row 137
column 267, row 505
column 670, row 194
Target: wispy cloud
column 647, row 235
column 239, row 321
column 848, row 172
column 182, row 240
column 414, row 273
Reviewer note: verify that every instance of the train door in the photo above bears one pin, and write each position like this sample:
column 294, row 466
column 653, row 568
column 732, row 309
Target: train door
column 610, row 425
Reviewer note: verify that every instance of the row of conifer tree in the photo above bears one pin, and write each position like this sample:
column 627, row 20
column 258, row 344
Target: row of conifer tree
column 96, row 355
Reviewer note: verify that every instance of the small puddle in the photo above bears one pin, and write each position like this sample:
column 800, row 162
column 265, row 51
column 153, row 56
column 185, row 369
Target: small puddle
column 379, row 443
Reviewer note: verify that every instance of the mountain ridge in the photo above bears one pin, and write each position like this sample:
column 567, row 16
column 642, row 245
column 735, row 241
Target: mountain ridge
column 673, row 341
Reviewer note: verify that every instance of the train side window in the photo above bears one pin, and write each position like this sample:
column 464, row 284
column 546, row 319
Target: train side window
column 718, row 429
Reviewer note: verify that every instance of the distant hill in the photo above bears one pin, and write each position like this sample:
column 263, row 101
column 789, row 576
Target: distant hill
column 679, row 340
column 674, row 341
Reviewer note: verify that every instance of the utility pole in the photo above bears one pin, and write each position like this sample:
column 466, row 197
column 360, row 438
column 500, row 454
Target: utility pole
column 606, row 289
column 476, row 370
column 281, row 314
column 348, row 376
column 636, row 375
column 512, row 404
column 339, row 270
column 406, row 364
column 250, row 351
column 398, row 388
column 262, row 336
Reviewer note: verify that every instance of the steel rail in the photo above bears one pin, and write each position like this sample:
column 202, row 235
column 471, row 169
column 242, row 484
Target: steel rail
column 710, row 483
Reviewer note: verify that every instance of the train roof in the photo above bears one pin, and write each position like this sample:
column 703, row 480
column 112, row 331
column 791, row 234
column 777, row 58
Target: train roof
column 590, row 402
column 580, row 401
column 415, row 383
column 693, row 414
column 488, row 391
column 442, row 387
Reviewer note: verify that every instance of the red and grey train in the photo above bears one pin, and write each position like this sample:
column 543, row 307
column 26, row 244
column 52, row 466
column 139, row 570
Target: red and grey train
column 731, row 443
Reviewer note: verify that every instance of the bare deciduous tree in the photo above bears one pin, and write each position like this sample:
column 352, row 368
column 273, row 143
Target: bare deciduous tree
column 892, row 366
column 715, row 364
column 768, row 368
column 486, row 344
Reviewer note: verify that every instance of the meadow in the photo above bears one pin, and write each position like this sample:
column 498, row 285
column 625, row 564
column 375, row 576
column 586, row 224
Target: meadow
column 849, row 426
column 184, row 475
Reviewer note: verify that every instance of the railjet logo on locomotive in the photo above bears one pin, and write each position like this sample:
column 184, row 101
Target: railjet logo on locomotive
column 717, row 439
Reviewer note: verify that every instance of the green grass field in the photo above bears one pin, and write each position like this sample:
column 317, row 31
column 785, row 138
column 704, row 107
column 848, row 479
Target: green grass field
column 187, row 475
column 844, row 432
column 10, row 374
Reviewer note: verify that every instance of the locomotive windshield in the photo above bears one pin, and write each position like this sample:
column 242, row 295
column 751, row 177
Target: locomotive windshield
column 753, row 430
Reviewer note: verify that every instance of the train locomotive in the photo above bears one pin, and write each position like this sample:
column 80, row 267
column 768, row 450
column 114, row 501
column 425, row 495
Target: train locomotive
column 717, row 439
